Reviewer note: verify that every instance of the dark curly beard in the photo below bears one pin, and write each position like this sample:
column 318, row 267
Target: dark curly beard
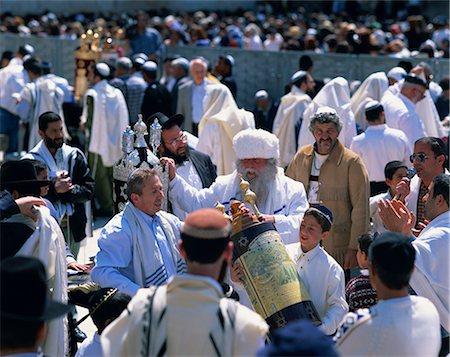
column 179, row 159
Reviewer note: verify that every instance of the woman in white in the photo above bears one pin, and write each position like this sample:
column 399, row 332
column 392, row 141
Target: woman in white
column 336, row 95
column 371, row 89
column 220, row 123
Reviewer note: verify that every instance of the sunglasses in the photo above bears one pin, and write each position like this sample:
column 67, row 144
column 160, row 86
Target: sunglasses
column 419, row 157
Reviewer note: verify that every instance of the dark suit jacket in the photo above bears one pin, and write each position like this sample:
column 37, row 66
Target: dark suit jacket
column 204, row 166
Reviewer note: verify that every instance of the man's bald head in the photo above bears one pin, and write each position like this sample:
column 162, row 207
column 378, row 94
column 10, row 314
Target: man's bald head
column 205, row 235
column 198, row 69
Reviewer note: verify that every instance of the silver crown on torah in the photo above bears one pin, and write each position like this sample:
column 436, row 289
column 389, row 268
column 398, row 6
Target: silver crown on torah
column 133, row 141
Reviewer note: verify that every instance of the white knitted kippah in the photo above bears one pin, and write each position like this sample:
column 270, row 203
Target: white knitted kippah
column 256, row 144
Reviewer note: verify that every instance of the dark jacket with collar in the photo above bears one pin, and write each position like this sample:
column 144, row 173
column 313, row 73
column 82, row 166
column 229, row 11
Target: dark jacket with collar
column 204, row 166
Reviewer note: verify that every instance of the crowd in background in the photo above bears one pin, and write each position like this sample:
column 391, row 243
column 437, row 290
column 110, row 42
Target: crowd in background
column 398, row 30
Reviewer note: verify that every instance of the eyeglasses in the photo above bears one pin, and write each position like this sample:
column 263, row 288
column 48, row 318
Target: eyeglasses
column 180, row 139
column 420, row 157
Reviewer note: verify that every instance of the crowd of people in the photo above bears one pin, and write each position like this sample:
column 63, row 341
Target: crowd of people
column 350, row 180
column 397, row 29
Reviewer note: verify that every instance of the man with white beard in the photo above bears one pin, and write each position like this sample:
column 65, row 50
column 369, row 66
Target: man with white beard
column 280, row 199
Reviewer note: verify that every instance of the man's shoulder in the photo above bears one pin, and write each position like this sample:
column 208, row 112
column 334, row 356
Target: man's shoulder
column 200, row 156
column 246, row 318
column 117, row 224
column 352, row 322
column 186, row 85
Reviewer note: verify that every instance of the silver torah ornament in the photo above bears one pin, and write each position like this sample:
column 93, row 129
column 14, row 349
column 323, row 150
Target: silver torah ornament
column 135, row 155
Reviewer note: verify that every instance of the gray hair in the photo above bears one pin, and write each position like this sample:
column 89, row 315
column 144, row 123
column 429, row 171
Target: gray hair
column 325, row 118
column 136, row 180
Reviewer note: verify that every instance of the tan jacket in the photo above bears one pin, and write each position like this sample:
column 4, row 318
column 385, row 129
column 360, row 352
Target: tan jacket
column 344, row 189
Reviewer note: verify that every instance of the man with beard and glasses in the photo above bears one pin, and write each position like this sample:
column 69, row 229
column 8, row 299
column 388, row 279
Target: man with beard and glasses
column 280, row 199
column 192, row 165
column 72, row 184
column 189, row 315
column 335, row 177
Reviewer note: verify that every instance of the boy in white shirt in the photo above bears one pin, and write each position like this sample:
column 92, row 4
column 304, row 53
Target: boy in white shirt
column 322, row 275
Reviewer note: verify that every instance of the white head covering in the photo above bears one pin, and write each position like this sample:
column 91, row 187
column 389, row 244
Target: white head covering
column 298, row 75
column 335, row 94
column 397, row 73
column 371, row 89
column 103, row 69
column 261, row 94
column 255, row 144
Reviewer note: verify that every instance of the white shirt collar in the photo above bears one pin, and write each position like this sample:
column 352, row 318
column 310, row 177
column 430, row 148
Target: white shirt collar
column 308, row 255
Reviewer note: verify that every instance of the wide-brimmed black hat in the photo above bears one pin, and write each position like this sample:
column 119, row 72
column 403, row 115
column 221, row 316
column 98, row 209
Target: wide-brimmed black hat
column 23, row 291
column 165, row 121
column 19, row 173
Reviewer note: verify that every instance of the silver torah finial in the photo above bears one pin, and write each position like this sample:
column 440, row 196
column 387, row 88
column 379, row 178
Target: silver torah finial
column 155, row 135
column 140, row 130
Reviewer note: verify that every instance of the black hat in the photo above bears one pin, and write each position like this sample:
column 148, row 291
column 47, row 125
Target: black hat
column 165, row 121
column 393, row 252
column 412, row 78
column 19, row 173
column 299, row 338
column 24, row 295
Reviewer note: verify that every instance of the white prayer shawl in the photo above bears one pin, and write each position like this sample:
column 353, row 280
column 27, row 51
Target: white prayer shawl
column 59, row 162
column 335, row 94
column 110, row 118
column 371, row 89
column 221, row 122
column 289, row 114
column 287, row 200
column 154, row 319
column 144, row 266
column 431, row 274
column 428, row 113
column 43, row 95
column 47, row 244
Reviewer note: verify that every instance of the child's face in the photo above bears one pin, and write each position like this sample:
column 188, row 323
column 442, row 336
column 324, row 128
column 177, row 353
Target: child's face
column 43, row 175
column 310, row 233
column 362, row 259
column 396, row 178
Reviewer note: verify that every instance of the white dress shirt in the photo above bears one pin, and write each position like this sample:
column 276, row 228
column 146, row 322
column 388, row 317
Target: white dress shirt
column 12, row 81
column 379, row 145
column 188, row 172
column 198, row 94
column 401, row 114
column 324, row 280
column 377, row 223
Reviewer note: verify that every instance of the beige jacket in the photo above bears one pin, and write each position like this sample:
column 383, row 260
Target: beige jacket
column 344, row 189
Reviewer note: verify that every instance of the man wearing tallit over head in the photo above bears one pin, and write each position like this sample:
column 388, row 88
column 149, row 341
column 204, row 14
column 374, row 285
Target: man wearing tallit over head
column 220, row 123
column 425, row 107
column 371, row 89
column 290, row 113
column 335, row 94
column 105, row 115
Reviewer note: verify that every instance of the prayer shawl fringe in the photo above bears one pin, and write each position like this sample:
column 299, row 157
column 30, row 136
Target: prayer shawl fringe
column 150, row 271
column 47, row 244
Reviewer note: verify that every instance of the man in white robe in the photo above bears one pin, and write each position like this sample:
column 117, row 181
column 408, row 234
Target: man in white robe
column 431, row 274
column 379, row 145
column 220, row 123
column 290, row 114
column 189, row 316
column 138, row 247
column 336, row 95
column 39, row 96
column 400, row 108
column 371, row 89
column 280, row 199
column 105, row 115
